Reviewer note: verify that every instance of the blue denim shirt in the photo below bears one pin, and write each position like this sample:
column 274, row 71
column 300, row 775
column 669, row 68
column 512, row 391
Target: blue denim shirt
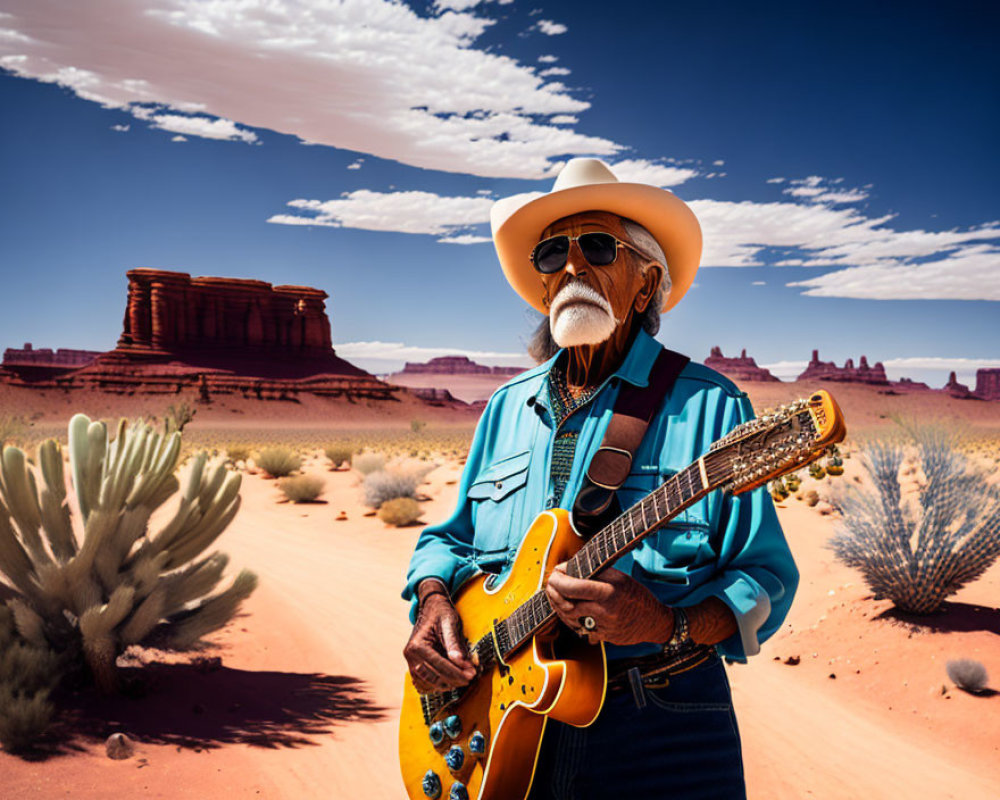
column 726, row 546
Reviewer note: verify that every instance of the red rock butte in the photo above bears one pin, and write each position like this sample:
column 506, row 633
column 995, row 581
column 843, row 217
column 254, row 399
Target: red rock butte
column 818, row 370
column 739, row 369
column 224, row 334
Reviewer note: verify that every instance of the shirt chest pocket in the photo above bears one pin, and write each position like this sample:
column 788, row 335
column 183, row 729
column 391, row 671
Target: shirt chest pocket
column 681, row 543
column 497, row 496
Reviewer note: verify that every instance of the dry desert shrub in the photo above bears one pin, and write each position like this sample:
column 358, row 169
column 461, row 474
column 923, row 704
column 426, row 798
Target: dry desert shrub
column 118, row 584
column 399, row 512
column 367, row 463
column 278, row 462
column 178, row 416
column 338, row 455
column 918, row 540
column 237, row 452
column 967, row 674
column 27, row 675
column 12, row 427
column 302, row 488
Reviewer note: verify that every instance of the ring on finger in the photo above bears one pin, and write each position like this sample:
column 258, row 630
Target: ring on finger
column 588, row 623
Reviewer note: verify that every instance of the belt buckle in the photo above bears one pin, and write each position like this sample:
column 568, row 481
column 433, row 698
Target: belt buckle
column 659, row 683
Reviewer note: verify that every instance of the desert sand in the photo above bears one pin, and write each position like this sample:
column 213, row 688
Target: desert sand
column 299, row 696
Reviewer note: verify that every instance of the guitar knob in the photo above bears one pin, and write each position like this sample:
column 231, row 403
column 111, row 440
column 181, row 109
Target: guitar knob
column 436, row 733
column 431, row 785
column 477, row 743
column 454, row 758
column 453, row 726
column 458, row 791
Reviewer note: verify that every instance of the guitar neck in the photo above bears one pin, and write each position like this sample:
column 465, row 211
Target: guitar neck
column 614, row 540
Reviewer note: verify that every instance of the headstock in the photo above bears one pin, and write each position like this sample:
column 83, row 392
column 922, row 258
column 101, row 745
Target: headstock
column 778, row 442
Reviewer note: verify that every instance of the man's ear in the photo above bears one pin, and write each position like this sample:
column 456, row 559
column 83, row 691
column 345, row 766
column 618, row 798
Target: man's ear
column 652, row 278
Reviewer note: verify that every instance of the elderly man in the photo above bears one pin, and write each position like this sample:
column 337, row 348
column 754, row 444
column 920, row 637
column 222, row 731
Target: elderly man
column 602, row 259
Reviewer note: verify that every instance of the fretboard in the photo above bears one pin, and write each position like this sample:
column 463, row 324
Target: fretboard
column 613, row 541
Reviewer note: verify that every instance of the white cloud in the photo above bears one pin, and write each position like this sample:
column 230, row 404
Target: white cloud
column 759, row 283
column 564, row 119
column 178, row 138
column 638, row 170
column 822, row 190
column 553, row 71
column 371, row 76
column 718, row 163
column 205, row 127
column 120, row 128
column 548, row 59
column 455, row 5
column 775, row 180
column 465, row 238
column 550, row 28
column 404, row 212
column 356, row 164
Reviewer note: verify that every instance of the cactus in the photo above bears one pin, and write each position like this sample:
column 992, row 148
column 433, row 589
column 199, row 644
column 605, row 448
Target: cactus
column 917, row 548
column 118, row 584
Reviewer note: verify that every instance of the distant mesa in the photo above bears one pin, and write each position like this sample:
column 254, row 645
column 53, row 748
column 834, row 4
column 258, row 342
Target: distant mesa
column 739, row 369
column 224, row 335
column 456, row 365
column 818, row 370
column 29, row 363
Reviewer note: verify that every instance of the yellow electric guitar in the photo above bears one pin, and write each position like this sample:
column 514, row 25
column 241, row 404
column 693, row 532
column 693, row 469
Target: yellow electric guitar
column 482, row 741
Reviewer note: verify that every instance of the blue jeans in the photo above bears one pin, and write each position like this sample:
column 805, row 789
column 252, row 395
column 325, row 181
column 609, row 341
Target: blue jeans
column 680, row 742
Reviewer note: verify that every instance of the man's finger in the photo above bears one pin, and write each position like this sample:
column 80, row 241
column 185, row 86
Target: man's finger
column 454, row 645
column 447, row 671
column 579, row 589
column 557, row 601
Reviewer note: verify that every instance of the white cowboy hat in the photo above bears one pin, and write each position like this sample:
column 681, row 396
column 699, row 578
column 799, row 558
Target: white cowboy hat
column 588, row 184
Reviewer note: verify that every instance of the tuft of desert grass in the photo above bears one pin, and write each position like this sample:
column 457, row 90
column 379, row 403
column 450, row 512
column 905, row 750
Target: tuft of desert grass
column 399, row 512
column 339, row 455
column 279, row 462
column 302, row 488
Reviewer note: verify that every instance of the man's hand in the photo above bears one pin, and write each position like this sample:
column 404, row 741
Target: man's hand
column 436, row 653
column 625, row 611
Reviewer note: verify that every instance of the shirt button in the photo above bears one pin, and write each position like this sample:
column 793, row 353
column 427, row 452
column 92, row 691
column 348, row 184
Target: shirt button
column 550, row 501
column 531, row 401
column 499, row 485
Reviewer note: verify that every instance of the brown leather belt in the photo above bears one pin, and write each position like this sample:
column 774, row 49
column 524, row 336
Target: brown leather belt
column 656, row 670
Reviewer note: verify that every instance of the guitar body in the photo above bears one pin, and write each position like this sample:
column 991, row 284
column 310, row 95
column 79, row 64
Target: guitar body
column 554, row 674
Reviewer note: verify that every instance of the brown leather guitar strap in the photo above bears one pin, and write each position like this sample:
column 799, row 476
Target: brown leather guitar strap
column 611, row 463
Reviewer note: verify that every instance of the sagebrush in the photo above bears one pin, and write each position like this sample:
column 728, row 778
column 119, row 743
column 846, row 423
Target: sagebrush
column 339, row 455
column 388, row 484
column 116, row 584
column 967, row 674
column 919, row 546
column 367, row 463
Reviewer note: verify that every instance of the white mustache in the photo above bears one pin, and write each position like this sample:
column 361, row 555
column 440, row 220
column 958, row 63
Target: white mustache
column 577, row 292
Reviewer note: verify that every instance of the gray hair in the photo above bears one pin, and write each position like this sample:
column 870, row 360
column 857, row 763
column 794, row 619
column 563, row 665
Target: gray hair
column 541, row 346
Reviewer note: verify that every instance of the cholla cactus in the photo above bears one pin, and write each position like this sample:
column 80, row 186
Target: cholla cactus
column 119, row 584
column 919, row 548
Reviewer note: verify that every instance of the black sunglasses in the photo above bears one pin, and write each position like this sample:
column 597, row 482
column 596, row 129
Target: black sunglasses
column 598, row 247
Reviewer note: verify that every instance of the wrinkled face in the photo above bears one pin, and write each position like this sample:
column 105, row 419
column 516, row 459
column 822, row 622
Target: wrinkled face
column 589, row 304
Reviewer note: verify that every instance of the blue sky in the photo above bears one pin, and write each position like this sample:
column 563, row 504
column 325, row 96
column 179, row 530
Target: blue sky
column 840, row 156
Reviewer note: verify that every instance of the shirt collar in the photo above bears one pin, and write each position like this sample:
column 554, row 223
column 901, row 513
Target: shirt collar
column 635, row 367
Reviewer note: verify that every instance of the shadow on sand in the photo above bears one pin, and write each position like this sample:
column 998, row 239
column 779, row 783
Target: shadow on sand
column 204, row 705
column 954, row 617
